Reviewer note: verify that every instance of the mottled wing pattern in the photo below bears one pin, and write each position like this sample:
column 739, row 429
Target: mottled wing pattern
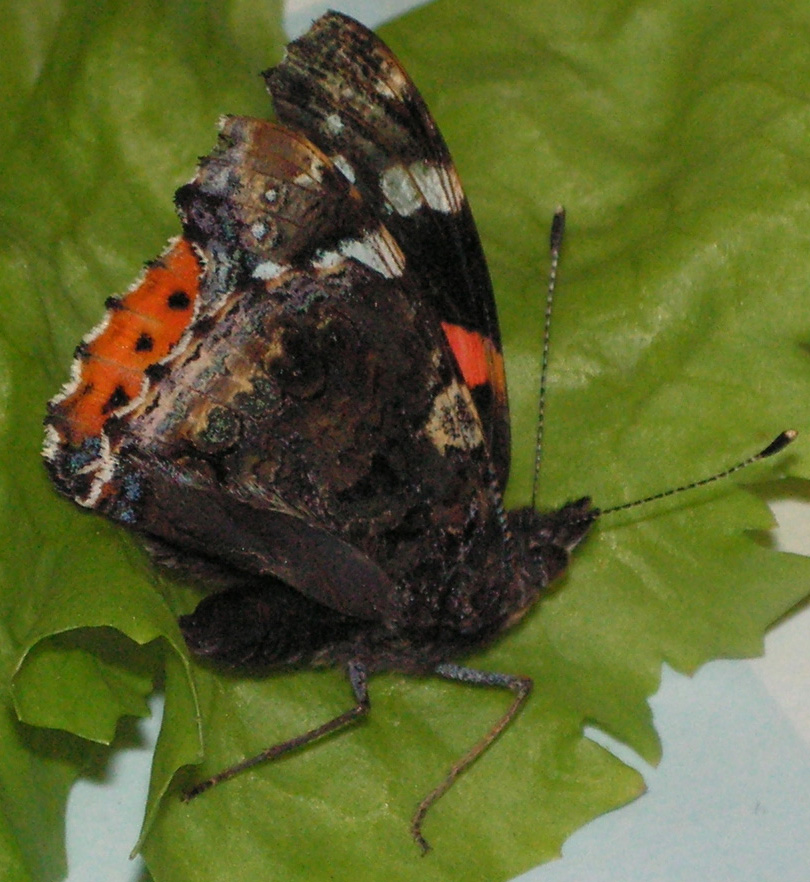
column 278, row 436
column 342, row 87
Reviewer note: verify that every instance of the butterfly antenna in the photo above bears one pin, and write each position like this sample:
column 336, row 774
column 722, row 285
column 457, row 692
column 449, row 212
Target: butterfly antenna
column 779, row 443
column 555, row 244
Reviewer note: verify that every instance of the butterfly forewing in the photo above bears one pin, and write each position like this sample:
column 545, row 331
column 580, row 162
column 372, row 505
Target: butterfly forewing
column 344, row 88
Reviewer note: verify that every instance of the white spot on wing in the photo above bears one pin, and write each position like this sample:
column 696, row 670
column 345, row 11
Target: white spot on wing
column 451, row 422
column 393, row 81
column 313, row 174
column 104, row 468
column 268, row 270
column 440, row 186
column 219, row 180
column 327, row 259
column 400, row 191
column 409, row 188
column 53, row 440
column 378, row 251
column 334, row 124
column 344, row 166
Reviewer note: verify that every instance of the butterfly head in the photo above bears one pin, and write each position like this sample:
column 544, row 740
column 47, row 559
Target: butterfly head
column 544, row 540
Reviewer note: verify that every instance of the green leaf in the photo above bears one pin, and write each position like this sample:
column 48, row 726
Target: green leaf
column 106, row 107
column 676, row 136
column 50, row 685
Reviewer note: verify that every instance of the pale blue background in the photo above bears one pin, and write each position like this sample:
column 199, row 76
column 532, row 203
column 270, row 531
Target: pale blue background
column 729, row 802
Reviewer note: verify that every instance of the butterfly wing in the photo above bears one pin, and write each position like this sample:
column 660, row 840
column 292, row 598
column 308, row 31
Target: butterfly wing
column 342, row 86
column 280, row 435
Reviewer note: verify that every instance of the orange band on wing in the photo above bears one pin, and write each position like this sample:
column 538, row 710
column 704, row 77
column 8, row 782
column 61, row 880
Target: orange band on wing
column 478, row 359
column 140, row 329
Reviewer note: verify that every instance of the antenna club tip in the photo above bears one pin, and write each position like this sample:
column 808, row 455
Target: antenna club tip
column 557, row 229
column 779, row 443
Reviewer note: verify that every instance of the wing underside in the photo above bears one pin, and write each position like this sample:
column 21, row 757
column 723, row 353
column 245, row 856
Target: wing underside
column 341, row 86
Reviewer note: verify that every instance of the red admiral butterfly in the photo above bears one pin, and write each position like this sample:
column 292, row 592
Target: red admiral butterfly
column 303, row 399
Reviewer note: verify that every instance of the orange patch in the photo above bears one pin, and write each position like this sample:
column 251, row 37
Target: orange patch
column 479, row 360
column 141, row 329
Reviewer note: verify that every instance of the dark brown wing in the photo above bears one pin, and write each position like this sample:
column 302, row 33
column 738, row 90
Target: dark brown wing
column 342, row 86
column 310, row 425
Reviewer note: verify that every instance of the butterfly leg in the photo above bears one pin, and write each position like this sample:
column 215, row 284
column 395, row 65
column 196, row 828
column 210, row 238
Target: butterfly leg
column 520, row 686
column 358, row 676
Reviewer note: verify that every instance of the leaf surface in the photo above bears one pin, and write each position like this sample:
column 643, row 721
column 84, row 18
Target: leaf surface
column 676, row 135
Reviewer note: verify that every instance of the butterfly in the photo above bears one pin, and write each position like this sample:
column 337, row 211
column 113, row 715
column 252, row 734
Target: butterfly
column 302, row 402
